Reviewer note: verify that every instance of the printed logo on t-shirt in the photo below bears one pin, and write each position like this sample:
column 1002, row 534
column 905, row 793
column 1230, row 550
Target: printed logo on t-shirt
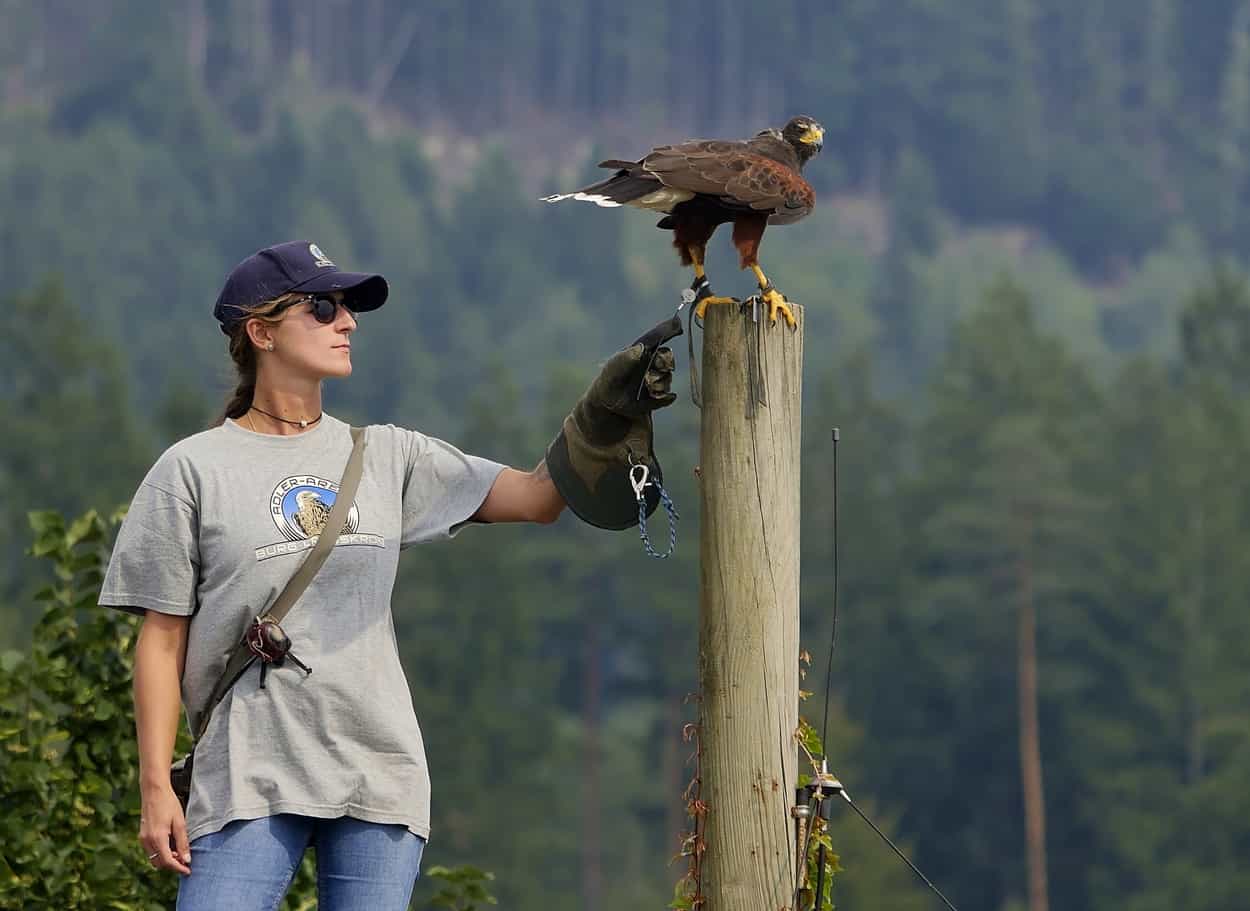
column 300, row 506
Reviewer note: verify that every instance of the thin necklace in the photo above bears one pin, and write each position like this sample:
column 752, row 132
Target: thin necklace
column 300, row 424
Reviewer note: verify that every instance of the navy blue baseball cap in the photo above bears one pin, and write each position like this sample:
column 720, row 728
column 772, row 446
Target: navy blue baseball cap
column 297, row 265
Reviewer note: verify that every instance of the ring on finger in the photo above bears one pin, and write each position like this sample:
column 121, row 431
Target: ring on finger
column 151, row 856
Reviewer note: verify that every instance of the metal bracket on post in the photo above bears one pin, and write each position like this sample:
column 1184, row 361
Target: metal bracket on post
column 812, row 802
column 802, row 813
column 757, row 392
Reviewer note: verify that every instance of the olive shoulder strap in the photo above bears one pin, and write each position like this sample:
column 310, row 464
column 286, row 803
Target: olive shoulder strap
column 241, row 657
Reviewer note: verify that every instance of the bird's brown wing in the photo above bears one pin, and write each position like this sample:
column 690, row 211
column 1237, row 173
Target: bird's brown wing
column 739, row 177
column 701, row 166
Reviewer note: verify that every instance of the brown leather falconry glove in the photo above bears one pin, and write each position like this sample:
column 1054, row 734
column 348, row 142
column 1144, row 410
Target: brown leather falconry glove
column 609, row 429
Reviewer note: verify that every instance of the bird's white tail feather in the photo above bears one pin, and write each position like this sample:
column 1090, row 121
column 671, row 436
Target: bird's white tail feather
column 596, row 198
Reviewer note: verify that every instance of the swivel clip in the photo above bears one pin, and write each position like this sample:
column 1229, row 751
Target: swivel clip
column 638, row 475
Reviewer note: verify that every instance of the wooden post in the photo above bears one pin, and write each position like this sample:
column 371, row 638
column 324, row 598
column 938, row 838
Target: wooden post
column 749, row 609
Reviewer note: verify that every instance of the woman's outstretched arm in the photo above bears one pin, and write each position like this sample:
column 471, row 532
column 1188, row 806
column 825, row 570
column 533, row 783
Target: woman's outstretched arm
column 522, row 496
column 609, row 429
column 159, row 657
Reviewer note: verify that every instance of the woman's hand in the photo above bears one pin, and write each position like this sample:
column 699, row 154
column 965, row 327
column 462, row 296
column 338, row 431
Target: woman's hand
column 159, row 657
column 163, row 830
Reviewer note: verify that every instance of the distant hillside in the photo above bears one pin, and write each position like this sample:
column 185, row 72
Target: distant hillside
column 1104, row 124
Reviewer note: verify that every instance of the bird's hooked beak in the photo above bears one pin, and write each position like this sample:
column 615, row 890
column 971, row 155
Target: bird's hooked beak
column 815, row 136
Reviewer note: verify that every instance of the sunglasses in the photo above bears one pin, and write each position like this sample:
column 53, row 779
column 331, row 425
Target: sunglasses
column 324, row 309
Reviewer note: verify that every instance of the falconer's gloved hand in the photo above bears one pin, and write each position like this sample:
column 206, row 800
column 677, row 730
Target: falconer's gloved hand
column 609, row 429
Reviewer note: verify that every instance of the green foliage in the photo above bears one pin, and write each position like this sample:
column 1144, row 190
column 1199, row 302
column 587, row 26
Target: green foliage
column 68, row 760
column 462, row 888
column 861, row 872
column 71, row 440
column 820, row 854
column 998, row 513
column 820, row 861
column 1215, row 329
column 683, row 896
column 1168, row 643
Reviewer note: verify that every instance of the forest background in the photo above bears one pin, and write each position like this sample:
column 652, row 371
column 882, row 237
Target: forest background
column 1024, row 310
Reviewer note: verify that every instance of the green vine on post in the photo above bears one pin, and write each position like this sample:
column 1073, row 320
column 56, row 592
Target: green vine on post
column 810, row 745
column 688, row 893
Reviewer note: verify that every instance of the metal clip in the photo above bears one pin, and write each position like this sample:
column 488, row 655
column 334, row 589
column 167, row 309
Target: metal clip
column 638, row 474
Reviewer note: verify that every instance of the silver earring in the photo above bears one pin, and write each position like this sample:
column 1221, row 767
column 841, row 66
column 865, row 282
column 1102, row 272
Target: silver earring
column 269, row 347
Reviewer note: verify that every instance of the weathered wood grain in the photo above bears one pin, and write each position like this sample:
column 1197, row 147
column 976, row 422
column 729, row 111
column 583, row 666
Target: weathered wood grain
column 749, row 611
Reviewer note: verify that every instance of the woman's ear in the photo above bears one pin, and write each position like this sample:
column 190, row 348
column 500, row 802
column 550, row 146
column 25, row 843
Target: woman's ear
column 259, row 334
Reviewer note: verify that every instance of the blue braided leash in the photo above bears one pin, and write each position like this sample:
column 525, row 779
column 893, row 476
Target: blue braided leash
column 639, row 480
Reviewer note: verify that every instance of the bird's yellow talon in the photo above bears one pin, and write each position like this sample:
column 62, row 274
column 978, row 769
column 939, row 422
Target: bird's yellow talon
column 701, row 306
column 776, row 301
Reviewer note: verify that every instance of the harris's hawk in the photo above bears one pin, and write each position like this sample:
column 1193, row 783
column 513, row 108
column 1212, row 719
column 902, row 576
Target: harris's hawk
column 705, row 183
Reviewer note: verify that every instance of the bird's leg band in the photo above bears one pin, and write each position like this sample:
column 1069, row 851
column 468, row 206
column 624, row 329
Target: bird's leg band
column 700, row 286
column 775, row 299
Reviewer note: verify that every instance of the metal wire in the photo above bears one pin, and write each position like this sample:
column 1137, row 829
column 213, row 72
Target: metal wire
column 833, row 638
column 820, row 877
column 886, row 839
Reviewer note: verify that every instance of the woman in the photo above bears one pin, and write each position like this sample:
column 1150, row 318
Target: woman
column 332, row 758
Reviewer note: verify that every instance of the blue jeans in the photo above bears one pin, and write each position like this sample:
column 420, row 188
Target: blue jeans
column 248, row 865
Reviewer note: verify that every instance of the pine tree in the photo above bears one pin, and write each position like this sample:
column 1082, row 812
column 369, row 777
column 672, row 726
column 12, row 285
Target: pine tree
column 1004, row 521
column 71, row 441
column 1161, row 710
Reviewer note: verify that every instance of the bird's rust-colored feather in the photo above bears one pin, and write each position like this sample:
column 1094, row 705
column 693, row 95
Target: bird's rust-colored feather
column 769, row 186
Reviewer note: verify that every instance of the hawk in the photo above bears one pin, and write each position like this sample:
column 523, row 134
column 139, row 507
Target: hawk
column 702, row 184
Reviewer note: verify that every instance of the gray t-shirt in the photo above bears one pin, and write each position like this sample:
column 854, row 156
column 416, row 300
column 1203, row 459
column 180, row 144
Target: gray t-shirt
column 218, row 526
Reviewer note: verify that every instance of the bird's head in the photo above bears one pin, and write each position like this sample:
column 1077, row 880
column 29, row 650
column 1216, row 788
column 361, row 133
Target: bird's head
column 805, row 135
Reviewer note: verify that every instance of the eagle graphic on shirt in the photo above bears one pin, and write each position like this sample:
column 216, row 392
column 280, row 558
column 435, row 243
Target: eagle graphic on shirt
column 311, row 512
column 300, row 507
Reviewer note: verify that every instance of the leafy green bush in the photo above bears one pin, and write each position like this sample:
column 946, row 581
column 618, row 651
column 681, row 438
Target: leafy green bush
column 463, row 888
column 69, row 765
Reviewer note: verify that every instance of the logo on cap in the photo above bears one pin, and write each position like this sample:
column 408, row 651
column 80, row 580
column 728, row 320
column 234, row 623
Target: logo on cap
column 319, row 258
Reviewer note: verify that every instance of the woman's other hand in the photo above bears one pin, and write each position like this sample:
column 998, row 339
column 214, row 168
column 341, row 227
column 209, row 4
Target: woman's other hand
column 163, row 830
